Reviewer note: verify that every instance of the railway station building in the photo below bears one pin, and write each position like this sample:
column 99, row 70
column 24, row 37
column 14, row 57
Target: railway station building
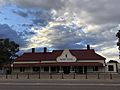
column 60, row 61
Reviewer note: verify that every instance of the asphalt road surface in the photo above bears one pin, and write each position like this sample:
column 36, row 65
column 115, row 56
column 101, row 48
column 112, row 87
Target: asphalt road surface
column 59, row 85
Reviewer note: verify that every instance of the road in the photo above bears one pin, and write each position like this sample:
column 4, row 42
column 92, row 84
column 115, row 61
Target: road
column 59, row 84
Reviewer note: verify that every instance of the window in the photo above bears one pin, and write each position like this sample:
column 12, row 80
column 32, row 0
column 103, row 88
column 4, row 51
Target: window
column 110, row 68
column 66, row 55
column 46, row 69
column 53, row 69
column 73, row 68
column 85, row 69
column 96, row 68
column 0, row 68
column 22, row 69
column 36, row 69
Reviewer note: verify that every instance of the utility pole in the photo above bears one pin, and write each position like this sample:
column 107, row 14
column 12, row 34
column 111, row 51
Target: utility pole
column 118, row 43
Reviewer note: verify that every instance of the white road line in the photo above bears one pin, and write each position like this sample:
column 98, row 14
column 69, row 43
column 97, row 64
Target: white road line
column 58, row 84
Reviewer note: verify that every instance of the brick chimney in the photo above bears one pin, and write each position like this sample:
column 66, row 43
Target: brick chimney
column 88, row 47
column 45, row 49
column 33, row 50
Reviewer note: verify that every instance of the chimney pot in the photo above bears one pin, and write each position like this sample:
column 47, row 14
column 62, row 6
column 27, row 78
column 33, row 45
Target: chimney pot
column 33, row 50
column 88, row 47
column 45, row 49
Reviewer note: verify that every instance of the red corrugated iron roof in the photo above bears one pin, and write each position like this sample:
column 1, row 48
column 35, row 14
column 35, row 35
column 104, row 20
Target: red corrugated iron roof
column 86, row 55
column 79, row 54
column 83, row 54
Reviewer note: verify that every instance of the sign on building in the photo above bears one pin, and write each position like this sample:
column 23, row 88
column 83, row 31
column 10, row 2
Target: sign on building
column 66, row 56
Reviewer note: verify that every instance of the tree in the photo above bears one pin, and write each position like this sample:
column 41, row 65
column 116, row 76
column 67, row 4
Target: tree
column 7, row 50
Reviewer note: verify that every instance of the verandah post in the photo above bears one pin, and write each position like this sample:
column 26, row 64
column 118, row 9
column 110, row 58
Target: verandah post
column 74, row 76
column 86, row 76
column 17, row 76
column 50, row 75
column 62, row 76
column 6, row 76
column 110, row 75
column 28, row 77
column 98, row 76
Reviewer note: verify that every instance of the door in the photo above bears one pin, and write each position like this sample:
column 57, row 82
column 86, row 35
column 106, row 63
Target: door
column 79, row 69
column 66, row 69
column 85, row 69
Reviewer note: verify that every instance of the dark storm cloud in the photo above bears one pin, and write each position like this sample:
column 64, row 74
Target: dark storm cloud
column 106, row 35
column 27, row 25
column 40, row 22
column 69, row 45
column 21, row 13
column 0, row 12
column 7, row 32
column 66, row 37
column 101, row 11
column 48, row 4
column 41, row 17
column 29, row 33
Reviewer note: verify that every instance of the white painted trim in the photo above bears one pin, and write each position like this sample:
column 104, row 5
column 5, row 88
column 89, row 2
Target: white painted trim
column 114, row 67
column 90, row 61
column 24, row 62
column 48, row 61
column 99, row 61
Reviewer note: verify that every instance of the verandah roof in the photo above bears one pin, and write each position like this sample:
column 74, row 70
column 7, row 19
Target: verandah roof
column 59, row 64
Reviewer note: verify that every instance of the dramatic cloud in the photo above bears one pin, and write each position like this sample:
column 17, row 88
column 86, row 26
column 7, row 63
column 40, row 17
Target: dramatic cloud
column 21, row 13
column 7, row 32
column 56, row 38
column 102, row 11
column 42, row 17
column 65, row 23
column 95, row 11
column 2, row 2
column 47, row 4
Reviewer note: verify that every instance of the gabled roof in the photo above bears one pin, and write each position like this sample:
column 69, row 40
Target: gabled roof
column 79, row 54
column 113, row 61
column 83, row 54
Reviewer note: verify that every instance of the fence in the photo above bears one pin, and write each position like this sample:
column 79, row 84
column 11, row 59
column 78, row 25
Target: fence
column 61, row 76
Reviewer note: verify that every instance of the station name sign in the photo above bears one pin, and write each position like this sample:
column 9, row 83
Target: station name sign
column 66, row 56
column 66, row 59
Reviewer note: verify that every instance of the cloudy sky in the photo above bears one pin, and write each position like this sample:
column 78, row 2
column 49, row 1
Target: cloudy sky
column 59, row 24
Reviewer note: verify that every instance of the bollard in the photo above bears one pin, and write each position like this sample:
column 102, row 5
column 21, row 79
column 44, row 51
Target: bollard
column 98, row 76
column 86, row 76
column 6, row 76
column 74, row 76
column 110, row 76
column 62, row 76
column 50, row 75
column 17, row 76
column 39, row 75
column 28, row 77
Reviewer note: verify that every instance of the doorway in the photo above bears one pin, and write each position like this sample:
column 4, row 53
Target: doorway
column 66, row 69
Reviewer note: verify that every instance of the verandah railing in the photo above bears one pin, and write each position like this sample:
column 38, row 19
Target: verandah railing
column 60, row 76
